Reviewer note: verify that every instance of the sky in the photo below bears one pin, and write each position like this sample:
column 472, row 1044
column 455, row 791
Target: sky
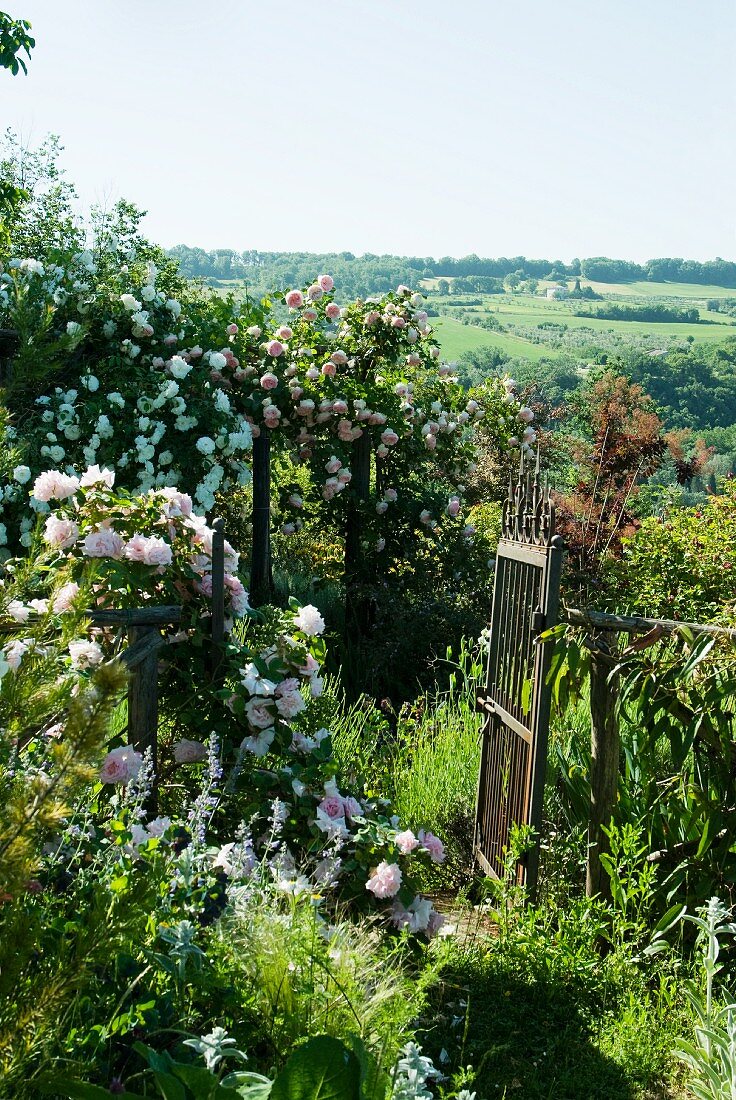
column 545, row 128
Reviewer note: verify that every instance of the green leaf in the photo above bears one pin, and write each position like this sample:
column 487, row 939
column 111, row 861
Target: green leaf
column 79, row 1090
column 253, row 1086
column 323, row 1069
column 169, row 1087
column 670, row 919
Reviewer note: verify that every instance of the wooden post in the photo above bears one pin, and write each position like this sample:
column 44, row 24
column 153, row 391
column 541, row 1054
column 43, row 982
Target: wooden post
column 260, row 586
column 143, row 706
column 218, row 595
column 605, row 745
column 9, row 344
column 356, row 610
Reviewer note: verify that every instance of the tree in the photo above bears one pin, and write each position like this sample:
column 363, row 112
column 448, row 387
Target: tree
column 14, row 40
column 618, row 445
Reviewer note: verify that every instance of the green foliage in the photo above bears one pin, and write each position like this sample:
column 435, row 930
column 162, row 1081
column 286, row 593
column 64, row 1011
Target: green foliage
column 680, row 566
column 657, row 314
column 14, row 40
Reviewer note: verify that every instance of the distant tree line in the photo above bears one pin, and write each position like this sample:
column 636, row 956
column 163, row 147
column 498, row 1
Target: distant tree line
column 373, row 274
column 615, row 312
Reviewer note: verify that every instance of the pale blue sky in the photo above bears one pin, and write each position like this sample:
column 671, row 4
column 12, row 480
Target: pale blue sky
column 553, row 128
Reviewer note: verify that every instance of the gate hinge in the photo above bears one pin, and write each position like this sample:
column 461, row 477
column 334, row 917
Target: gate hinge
column 539, row 621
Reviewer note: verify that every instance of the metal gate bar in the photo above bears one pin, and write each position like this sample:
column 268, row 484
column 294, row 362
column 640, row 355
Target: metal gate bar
column 516, row 701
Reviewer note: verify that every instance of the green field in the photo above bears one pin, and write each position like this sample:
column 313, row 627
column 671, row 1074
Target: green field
column 455, row 338
column 535, row 327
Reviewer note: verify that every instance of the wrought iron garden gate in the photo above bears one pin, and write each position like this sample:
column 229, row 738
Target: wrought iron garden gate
column 516, row 700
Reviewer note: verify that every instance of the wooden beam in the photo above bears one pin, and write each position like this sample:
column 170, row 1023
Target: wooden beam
column 636, row 624
column 136, row 616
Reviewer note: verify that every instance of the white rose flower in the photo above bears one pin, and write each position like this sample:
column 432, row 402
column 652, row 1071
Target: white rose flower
column 130, row 302
column 148, row 293
column 205, row 445
column 179, row 367
column 173, row 306
column 22, row 474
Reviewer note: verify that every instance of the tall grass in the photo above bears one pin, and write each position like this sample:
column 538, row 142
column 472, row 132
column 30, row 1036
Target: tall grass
column 425, row 759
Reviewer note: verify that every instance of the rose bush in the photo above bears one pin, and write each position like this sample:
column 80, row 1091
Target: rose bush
column 261, row 717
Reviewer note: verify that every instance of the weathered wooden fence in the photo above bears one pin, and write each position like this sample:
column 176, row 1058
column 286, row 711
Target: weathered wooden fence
column 605, row 738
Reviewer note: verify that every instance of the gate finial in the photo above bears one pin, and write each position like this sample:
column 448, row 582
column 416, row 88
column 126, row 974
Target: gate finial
column 528, row 511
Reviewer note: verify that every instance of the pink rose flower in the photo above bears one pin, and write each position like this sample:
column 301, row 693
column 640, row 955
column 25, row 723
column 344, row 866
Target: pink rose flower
column 269, row 381
column 275, row 348
column 389, row 437
column 453, row 507
column 406, row 842
column 284, row 332
column 238, row 595
column 121, row 765
column 189, row 752
column 398, row 322
column 53, row 485
column 135, row 548
column 332, row 312
column 61, row 533
column 339, row 358
column 310, row 315
column 294, row 299
column 525, row 414
column 340, row 407
column 385, row 880
column 157, row 552
column 232, row 330
column 391, row 495
column 329, row 370
column 352, row 807
column 333, row 806
column 177, row 504
column 103, row 543
column 326, row 282
column 310, row 666
column 64, row 599
column 433, row 845
column 333, row 465
column 314, row 292
column 259, row 714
